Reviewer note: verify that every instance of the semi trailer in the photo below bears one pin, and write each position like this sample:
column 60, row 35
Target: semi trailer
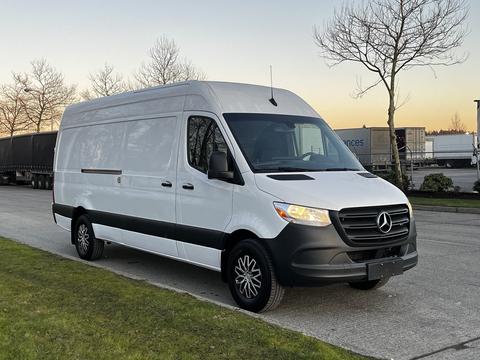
column 28, row 159
column 453, row 150
column 371, row 145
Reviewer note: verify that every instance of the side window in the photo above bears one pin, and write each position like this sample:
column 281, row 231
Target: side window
column 204, row 137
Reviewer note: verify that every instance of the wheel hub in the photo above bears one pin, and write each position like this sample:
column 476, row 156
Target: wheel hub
column 82, row 238
column 248, row 276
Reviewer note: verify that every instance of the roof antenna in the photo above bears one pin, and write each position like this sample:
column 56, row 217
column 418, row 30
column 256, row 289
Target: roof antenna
column 272, row 100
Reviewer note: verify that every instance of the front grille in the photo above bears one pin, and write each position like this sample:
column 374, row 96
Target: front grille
column 358, row 226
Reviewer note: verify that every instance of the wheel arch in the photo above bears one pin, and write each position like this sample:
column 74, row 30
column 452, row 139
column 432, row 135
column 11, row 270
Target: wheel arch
column 230, row 241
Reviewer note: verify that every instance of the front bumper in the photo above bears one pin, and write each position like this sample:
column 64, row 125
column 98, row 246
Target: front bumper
column 314, row 256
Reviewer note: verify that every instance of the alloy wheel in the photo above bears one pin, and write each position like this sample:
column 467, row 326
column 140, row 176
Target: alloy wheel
column 248, row 276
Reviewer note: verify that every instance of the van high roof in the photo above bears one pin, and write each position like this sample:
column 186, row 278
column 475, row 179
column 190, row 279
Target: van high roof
column 210, row 96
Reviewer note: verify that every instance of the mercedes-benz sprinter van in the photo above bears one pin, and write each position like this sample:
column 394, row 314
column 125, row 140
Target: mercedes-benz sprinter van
column 224, row 176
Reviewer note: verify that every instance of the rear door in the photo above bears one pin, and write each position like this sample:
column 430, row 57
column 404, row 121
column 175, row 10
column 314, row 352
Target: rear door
column 203, row 206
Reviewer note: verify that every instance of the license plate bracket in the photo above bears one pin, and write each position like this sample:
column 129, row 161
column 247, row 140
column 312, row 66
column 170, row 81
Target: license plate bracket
column 384, row 269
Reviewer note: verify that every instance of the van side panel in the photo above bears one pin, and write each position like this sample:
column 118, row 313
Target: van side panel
column 148, row 174
column 86, row 173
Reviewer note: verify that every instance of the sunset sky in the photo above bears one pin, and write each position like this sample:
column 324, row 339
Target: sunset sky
column 234, row 41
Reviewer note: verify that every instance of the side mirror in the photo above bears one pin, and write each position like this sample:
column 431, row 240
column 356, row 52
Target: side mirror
column 218, row 167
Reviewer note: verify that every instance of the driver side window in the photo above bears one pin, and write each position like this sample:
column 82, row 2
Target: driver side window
column 203, row 138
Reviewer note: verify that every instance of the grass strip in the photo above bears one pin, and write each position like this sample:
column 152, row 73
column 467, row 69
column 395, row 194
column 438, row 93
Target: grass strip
column 55, row 308
column 470, row 203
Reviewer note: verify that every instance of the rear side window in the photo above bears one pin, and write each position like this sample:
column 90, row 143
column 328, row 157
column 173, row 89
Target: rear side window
column 204, row 137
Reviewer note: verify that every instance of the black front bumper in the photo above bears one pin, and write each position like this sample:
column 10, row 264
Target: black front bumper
column 314, row 256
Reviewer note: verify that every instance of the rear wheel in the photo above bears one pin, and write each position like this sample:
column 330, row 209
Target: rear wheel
column 369, row 284
column 87, row 245
column 35, row 181
column 251, row 278
column 41, row 181
column 48, row 182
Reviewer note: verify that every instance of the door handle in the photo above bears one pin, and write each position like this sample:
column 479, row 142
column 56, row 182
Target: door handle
column 188, row 186
column 167, row 184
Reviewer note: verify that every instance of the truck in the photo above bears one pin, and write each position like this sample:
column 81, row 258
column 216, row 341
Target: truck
column 453, row 150
column 28, row 158
column 371, row 145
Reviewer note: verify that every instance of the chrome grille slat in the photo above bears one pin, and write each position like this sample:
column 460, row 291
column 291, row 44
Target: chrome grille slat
column 359, row 225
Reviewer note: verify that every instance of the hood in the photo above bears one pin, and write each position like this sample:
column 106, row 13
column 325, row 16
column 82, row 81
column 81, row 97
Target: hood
column 331, row 190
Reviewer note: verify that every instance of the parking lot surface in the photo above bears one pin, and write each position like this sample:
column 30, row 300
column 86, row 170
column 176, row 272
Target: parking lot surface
column 464, row 178
column 431, row 312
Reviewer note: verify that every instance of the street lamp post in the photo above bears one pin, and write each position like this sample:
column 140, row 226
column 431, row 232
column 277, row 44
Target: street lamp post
column 477, row 149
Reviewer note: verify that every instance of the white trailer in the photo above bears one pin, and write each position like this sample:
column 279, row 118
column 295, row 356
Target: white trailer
column 453, row 150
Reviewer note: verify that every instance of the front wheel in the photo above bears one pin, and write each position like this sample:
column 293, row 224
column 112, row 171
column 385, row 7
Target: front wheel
column 251, row 278
column 87, row 245
column 369, row 284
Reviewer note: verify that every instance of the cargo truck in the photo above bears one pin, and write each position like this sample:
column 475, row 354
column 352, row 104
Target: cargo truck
column 28, row 159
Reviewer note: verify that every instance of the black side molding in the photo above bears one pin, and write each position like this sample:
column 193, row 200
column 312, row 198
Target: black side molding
column 190, row 234
column 63, row 210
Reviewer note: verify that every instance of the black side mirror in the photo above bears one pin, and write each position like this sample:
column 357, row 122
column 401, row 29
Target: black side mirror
column 218, row 167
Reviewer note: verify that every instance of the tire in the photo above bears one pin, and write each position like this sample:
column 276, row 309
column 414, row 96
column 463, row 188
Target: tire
column 48, row 182
column 87, row 245
column 41, row 182
column 35, row 181
column 369, row 285
column 251, row 278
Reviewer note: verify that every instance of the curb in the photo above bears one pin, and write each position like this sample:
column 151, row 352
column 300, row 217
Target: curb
column 449, row 209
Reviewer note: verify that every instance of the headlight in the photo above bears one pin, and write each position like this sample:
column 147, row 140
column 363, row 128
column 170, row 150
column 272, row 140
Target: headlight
column 410, row 210
column 302, row 215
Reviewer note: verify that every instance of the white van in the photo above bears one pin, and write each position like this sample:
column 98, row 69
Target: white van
column 224, row 176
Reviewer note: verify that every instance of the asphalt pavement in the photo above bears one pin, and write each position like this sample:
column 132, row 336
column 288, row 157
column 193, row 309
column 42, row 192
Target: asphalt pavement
column 464, row 178
column 430, row 312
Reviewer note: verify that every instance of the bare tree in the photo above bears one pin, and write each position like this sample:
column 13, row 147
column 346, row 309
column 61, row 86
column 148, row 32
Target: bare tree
column 46, row 94
column 12, row 116
column 105, row 82
column 388, row 36
column 457, row 126
column 165, row 65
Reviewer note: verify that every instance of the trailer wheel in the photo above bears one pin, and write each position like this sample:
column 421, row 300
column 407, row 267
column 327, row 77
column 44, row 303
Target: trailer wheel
column 48, row 182
column 35, row 181
column 41, row 182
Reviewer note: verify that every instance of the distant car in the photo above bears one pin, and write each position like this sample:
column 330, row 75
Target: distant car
column 226, row 177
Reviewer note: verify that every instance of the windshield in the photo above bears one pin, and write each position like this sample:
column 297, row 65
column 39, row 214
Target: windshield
column 282, row 143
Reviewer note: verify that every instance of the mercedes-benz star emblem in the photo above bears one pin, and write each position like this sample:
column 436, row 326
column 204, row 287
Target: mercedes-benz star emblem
column 384, row 222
